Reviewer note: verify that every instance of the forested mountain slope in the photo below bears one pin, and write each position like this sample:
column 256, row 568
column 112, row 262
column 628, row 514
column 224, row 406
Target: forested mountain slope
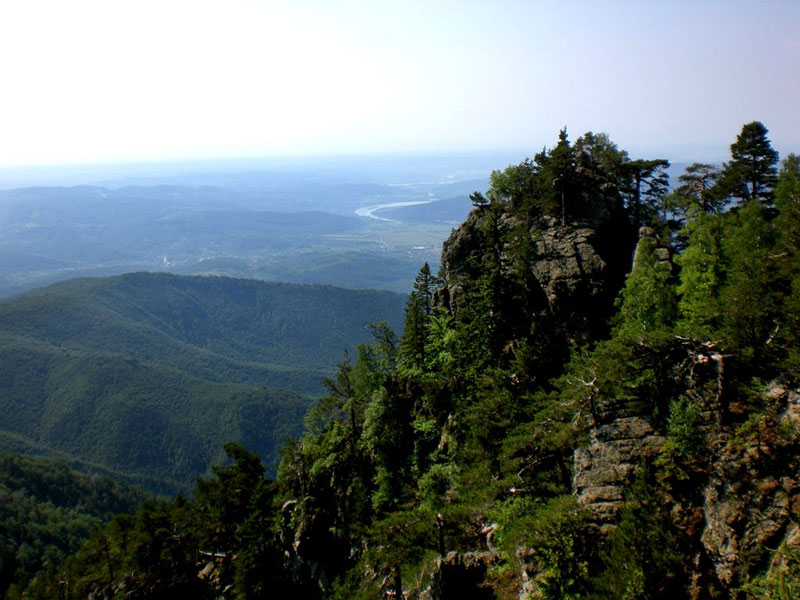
column 599, row 398
column 148, row 375
column 47, row 511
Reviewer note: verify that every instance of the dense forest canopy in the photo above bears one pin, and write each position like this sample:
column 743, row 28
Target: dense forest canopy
column 597, row 397
column 47, row 511
column 148, row 375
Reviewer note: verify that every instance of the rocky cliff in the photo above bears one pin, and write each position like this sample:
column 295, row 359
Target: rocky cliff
column 737, row 505
column 573, row 271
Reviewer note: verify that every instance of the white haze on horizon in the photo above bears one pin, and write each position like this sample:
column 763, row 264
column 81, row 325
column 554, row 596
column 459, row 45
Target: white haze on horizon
column 99, row 81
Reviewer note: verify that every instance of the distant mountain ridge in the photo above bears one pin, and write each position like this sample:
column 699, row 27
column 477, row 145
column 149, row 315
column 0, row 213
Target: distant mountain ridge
column 287, row 231
column 149, row 374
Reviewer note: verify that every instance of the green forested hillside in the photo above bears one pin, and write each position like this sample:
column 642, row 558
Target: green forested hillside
column 598, row 397
column 148, row 375
column 47, row 512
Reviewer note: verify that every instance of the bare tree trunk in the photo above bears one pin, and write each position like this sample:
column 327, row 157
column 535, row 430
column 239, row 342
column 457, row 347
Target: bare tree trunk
column 398, row 583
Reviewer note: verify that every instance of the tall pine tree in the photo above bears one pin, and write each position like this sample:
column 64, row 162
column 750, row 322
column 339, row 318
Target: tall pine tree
column 752, row 172
column 418, row 311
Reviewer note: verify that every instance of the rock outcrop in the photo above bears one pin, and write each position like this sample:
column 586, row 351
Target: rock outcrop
column 751, row 499
column 621, row 439
column 576, row 270
column 745, row 504
column 737, row 503
column 647, row 236
column 603, row 468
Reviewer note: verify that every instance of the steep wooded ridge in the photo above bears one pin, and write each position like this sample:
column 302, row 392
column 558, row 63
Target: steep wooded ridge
column 148, row 375
column 597, row 398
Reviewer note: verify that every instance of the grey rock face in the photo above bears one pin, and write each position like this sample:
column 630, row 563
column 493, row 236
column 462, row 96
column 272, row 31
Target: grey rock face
column 748, row 502
column 602, row 469
column 647, row 235
column 566, row 265
column 751, row 501
column 619, row 444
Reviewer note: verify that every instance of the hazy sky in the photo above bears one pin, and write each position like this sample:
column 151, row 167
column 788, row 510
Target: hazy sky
column 110, row 80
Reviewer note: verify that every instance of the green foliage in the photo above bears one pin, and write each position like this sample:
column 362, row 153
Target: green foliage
column 440, row 343
column 787, row 202
column 737, row 280
column 643, row 556
column 437, row 486
column 685, row 439
column 148, row 375
column 747, row 300
column 514, row 185
column 558, row 167
column 461, row 435
column 701, row 278
column 751, row 174
column 418, row 312
column 648, row 300
column 402, row 543
column 602, row 169
column 224, row 542
column 551, row 538
column 648, row 185
column 387, row 438
column 47, row 511
column 781, row 580
column 618, row 374
column 569, row 181
column 694, row 197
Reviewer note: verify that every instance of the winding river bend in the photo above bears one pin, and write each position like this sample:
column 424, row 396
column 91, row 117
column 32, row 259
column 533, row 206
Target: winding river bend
column 369, row 211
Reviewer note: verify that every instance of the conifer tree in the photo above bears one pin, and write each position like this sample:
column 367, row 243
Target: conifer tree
column 562, row 168
column 555, row 181
column 515, row 186
column 701, row 278
column 648, row 300
column 418, row 310
column 787, row 201
column 787, row 254
column 601, row 168
column 649, row 185
column 752, row 172
column 695, row 195
column 747, row 300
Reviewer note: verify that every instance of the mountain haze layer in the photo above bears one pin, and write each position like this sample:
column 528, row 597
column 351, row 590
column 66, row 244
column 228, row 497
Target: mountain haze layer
column 303, row 225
